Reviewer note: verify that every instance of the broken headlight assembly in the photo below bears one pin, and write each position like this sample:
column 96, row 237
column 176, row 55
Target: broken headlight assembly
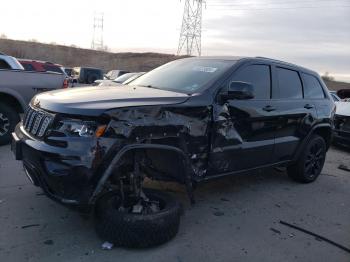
column 80, row 128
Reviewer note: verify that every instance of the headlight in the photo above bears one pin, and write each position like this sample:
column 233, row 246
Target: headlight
column 79, row 128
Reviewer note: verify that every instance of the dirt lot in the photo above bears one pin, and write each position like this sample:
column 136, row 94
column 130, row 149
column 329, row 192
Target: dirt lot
column 235, row 219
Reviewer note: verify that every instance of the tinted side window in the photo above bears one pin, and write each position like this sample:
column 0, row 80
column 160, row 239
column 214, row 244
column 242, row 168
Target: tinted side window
column 289, row 84
column 28, row 67
column 4, row 65
column 259, row 77
column 50, row 68
column 312, row 88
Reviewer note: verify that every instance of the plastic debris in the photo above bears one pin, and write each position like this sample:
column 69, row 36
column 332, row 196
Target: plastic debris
column 218, row 213
column 317, row 236
column 32, row 225
column 275, row 230
column 344, row 167
column 48, row 242
column 107, row 246
column 137, row 208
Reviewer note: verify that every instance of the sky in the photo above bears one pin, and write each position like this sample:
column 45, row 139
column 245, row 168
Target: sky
column 310, row 33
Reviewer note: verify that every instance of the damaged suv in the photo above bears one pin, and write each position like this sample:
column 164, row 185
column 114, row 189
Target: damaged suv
column 188, row 121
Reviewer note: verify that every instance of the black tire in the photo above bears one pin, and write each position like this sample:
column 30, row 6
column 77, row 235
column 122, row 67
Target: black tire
column 9, row 118
column 91, row 79
column 311, row 161
column 137, row 230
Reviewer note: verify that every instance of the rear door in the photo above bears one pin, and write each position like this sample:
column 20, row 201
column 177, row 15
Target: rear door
column 243, row 132
column 296, row 114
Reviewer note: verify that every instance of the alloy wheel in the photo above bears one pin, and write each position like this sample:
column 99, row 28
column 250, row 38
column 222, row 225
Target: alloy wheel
column 4, row 124
column 314, row 160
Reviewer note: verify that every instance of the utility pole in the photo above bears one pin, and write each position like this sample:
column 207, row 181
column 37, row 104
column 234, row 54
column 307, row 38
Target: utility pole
column 97, row 37
column 191, row 29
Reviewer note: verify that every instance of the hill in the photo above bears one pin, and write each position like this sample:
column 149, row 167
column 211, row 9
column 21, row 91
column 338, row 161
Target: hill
column 335, row 85
column 73, row 56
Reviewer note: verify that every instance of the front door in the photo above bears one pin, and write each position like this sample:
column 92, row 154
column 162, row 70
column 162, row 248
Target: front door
column 244, row 130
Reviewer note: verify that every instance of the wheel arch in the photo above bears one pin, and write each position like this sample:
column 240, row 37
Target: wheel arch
column 323, row 130
column 115, row 162
column 13, row 101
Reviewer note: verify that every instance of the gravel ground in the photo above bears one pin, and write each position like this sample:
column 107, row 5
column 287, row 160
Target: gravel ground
column 235, row 219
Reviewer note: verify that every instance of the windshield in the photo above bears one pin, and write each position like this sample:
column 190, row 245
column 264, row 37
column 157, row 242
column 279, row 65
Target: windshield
column 185, row 75
column 112, row 74
column 133, row 78
column 123, row 78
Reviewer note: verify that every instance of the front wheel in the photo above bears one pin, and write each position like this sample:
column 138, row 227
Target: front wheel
column 311, row 161
column 137, row 225
column 8, row 120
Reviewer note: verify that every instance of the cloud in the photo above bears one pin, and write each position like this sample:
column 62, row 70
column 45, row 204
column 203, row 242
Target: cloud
column 317, row 38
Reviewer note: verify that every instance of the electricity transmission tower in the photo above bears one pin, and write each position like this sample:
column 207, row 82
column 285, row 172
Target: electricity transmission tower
column 191, row 29
column 97, row 37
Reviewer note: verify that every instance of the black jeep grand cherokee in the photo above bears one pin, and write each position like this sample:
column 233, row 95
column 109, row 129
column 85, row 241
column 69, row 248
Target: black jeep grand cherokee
column 188, row 121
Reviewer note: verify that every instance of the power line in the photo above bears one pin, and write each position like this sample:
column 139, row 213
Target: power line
column 278, row 8
column 297, row 4
column 97, row 37
column 191, row 29
column 239, row 3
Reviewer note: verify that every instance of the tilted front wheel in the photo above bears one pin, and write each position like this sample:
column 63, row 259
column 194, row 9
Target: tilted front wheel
column 311, row 161
column 131, row 224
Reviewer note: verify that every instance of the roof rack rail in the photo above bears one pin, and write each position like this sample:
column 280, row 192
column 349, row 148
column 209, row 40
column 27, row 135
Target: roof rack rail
column 272, row 59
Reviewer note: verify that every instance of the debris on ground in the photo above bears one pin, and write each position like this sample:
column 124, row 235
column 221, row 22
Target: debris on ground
column 317, row 237
column 275, row 230
column 48, row 242
column 218, row 213
column 344, row 167
column 224, row 199
column 107, row 246
column 31, row 225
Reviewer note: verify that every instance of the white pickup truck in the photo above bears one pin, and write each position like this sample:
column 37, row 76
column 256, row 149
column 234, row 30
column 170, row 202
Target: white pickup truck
column 17, row 88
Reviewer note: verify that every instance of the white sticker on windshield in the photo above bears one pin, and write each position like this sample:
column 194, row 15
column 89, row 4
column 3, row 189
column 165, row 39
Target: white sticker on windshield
column 204, row 69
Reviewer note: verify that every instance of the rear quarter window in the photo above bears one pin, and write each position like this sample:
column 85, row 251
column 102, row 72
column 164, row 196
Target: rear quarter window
column 50, row 68
column 289, row 84
column 312, row 87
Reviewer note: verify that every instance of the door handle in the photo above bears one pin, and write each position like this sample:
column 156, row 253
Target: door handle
column 308, row 106
column 269, row 108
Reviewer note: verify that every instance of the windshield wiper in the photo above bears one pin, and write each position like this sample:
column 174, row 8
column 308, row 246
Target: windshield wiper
column 150, row 86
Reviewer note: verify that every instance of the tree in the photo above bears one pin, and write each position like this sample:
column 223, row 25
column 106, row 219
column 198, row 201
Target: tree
column 327, row 77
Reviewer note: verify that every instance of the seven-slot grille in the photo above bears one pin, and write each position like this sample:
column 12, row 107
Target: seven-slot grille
column 36, row 122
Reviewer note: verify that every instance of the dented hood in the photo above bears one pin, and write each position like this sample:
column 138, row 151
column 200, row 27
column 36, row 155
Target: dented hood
column 93, row 101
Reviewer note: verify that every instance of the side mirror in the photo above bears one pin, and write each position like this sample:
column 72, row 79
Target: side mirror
column 240, row 90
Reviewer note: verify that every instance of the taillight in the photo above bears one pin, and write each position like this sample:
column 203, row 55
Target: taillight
column 65, row 83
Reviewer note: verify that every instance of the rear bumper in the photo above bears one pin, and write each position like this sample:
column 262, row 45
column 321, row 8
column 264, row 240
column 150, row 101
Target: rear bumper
column 64, row 176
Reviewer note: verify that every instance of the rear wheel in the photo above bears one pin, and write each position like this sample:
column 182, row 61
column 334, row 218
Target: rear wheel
column 8, row 121
column 131, row 223
column 311, row 161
